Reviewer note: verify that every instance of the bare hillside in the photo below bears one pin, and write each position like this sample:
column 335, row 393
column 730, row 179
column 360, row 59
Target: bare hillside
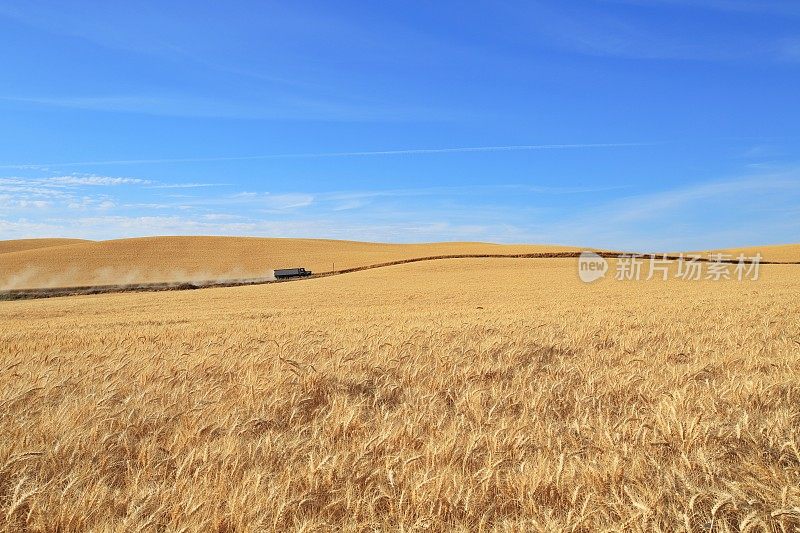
column 20, row 245
column 154, row 259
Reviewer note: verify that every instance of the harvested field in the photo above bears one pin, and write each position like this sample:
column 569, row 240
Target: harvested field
column 21, row 245
column 180, row 259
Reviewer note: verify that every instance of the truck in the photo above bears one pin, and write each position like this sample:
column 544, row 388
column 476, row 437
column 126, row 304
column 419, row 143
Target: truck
column 287, row 273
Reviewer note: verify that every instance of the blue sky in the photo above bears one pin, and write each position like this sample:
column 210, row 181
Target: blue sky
column 647, row 124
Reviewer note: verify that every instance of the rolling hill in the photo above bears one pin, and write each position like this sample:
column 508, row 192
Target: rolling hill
column 155, row 259
column 43, row 263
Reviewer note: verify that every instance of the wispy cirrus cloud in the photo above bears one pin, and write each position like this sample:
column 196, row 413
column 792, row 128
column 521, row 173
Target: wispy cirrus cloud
column 349, row 200
column 184, row 185
column 268, row 201
column 773, row 7
column 8, row 201
column 656, row 204
column 118, row 226
column 74, row 180
column 75, row 192
column 277, row 107
column 634, row 33
column 92, row 180
column 751, row 209
column 365, row 153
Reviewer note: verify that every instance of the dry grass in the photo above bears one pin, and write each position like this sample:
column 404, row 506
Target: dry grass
column 158, row 259
column 453, row 395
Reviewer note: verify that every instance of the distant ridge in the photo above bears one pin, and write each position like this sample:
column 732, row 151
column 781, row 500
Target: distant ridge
column 48, row 263
column 181, row 259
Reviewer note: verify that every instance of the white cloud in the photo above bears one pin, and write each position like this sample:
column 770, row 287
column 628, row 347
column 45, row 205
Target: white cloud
column 220, row 216
column 281, row 106
column 265, row 200
column 74, row 192
column 184, row 185
column 8, row 202
column 369, row 153
column 30, row 190
column 287, row 201
column 735, row 212
column 110, row 227
column 753, row 209
column 652, row 205
column 91, row 180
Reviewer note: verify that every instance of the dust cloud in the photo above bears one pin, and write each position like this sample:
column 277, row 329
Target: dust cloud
column 74, row 276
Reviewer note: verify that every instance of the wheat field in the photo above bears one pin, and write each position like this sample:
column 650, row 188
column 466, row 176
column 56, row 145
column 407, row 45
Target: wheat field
column 454, row 395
